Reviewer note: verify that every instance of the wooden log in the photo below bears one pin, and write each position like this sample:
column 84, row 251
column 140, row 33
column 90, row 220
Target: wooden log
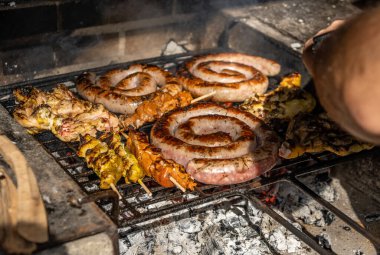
column 31, row 215
column 10, row 239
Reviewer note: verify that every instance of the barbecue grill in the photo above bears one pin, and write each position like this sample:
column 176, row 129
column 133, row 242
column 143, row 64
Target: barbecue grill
column 116, row 218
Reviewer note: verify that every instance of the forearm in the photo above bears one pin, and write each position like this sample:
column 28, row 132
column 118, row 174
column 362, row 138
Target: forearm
column 346, row 72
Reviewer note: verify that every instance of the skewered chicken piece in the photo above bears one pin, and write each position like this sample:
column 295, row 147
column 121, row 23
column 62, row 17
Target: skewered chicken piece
column 155, row 165
column 133, row 172
column 110, row 160
column 62, row 113
column 105, row 162
column 167, row 99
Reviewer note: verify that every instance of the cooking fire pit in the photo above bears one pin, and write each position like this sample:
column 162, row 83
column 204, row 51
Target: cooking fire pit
column 286, row 209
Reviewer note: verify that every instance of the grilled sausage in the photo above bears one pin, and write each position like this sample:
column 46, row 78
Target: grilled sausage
column 217, row 145
column 122, row 91
column 234, row 76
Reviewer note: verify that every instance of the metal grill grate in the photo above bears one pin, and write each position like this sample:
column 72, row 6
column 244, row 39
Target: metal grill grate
column 136, row 207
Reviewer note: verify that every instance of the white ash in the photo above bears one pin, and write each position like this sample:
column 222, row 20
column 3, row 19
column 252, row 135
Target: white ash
column 91, row 188
column 231, row 229
column 6, row 97
column 358, row 252
column 294, row 202
column 279, row 236
column 46, row 199
column 225, row 229
column 172, row 48
column 156, row 205
column 169, row 65
column 142, row 197
column 68, row 84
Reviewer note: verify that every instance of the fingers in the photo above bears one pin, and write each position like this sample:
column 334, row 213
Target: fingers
column 307, row 52
column 333, row 26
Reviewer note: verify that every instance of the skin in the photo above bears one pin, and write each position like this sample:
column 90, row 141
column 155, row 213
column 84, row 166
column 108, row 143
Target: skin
column 346, row 73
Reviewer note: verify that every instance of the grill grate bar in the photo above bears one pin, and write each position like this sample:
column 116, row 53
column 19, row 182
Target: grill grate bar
column 336, row 211
column 173, row 208
column 135, row 207
column 83, row 174
column 301, row 235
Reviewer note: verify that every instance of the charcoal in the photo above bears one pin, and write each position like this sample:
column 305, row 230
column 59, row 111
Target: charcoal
column 324, row 241
column 372, row 217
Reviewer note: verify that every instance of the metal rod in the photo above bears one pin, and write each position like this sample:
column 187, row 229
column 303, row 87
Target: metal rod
column 335, row 161
column 301, row 235
column 176, row 208
column 105, row 194
column 336, row 211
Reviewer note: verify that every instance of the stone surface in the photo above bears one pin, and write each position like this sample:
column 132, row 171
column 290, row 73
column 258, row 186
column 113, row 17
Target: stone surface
column 297, row 19
column 99, row 244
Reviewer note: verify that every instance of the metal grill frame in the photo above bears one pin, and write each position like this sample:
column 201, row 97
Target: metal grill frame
column 126, row 213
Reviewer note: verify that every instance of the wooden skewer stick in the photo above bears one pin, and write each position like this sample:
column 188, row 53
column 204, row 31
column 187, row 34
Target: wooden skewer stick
column 177, row 184
column 145, row 188
column 203, row 97
column 113, row 187
column 124, row 134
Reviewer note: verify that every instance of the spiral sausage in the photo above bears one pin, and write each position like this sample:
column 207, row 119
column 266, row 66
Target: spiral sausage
column 217, row 145
column 234, row 76
column 122, row 91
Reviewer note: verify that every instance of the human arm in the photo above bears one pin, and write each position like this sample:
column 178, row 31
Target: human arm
column 346, row 72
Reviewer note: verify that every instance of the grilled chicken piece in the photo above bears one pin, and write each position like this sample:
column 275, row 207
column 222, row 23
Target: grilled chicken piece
column 310, row 133
column 283, row 103
column 41, row 118
column 155, row 165
column 165, row 100
column 62, row 113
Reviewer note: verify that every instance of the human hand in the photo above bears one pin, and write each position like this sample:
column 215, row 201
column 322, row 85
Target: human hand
column 307, row 54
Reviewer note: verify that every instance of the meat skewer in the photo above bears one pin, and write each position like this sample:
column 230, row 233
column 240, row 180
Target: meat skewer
column 110, row 160
column 163, row 102
column 135, row 174
column 105, row 162
column 154, row 165
column 168, row 98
